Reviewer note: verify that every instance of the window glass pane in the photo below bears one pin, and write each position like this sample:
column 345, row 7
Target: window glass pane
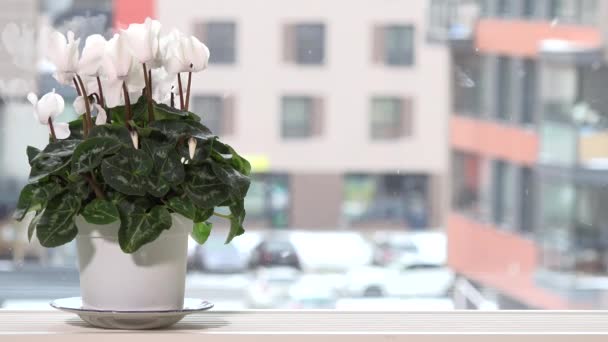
column 296, row 117
column 210, row 109
column 503, row 88
column 399, row 45
column 386, row 118
column 386, row 200
column 310, row 43
column 221, row 41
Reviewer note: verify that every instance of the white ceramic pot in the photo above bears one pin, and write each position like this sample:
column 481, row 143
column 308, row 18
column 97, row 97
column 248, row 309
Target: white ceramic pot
column 153, row 278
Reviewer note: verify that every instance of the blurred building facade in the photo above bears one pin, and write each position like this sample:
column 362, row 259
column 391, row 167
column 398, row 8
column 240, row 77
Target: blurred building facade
column 528, row 136
column 337, row 111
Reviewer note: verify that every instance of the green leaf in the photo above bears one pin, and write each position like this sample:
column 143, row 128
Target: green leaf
column 35, row 197
column 174, row 129
column 53, row 159
column 56, row 226
column 204, row 188
column 120, row 133
column 31, row 228
column 89, row 154
column 100, row 212
column 226, row 154
column 164, row 112
column 76, row 130
column 168, row 169
column 184, row 206
column 126, row 171
column 139, row 111
column 201, row 231
column 139, row 227
column 238, row 183
column 32, row 152
column 237, row 216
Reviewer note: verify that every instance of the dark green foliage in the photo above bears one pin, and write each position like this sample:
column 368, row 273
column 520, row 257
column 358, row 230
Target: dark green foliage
column 140, row 187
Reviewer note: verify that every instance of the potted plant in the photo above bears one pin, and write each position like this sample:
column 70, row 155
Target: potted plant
column 136, row 172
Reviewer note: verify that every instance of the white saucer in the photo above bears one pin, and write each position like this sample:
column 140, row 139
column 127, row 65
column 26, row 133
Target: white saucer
column 111, row 319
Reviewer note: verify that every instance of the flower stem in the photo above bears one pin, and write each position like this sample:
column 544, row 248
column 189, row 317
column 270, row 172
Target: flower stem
column 96, row 188
column 148, row 81
column 181, row 91
column 227, row 217
column 125, row 93
column 188, row 90
column 87, row 106
column 85, row 127
column 52, row 130
column 102, row 102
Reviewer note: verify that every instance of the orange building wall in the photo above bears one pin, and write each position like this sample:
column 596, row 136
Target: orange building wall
column 494, row 140
column 521, row 38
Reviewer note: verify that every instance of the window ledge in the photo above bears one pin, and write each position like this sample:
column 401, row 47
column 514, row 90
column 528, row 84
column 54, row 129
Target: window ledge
column 275, row 325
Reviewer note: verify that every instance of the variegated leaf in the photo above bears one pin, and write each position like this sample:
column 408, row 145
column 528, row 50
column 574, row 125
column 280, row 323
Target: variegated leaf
column 100, row 212
column 56, row 226
column 139, row 227
column 125, row 172
column 89, row 154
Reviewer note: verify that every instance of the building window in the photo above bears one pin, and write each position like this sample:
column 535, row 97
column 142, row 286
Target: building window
column 268, row 201
column 503, row 8
column 217, row 112
column 466, row 183
column 301, row 117
column 391, row 118
column 528, row 8
column 387, row 199
column 574, row 11
column 394, row 45
column 503, row 194
column 528, row 91
column 503, row 88
column 304, row 43
column 220, row 38
column 527, row 200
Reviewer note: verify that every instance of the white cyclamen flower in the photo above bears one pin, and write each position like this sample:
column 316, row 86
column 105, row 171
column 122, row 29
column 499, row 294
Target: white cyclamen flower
column 96, row 110
column 135, row 139
column 48, row 108
column 64, row 54
column 120, row 67
column 143, row 40
column 92, row 56
column 186, row 54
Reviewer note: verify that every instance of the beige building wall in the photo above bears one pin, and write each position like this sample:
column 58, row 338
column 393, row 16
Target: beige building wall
column 346, row 81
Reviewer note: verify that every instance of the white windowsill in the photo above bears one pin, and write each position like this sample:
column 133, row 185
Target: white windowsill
column 318, row 326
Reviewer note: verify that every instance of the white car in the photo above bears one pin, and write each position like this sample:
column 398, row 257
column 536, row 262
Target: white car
column 420, row 273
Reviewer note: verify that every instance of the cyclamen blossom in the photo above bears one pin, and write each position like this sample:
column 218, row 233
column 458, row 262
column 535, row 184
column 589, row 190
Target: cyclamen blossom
column 47, row 109
column 186, row 54
column 80, row 108
column 143, row 40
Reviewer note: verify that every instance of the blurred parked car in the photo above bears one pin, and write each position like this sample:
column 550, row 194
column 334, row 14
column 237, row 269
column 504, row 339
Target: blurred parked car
column 217, row 257
column 331, row 251
column 389, row 246
column 270, row 287
column 420, row 274
column 275, row 251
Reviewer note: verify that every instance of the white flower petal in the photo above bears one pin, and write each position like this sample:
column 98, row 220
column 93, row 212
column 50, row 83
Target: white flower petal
column 79, row 106
column 92, row 55
column 191, row 147
column 49, row 106
column 62, row 130
column 135, row 139
column 33, row 98
column 101, row 117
